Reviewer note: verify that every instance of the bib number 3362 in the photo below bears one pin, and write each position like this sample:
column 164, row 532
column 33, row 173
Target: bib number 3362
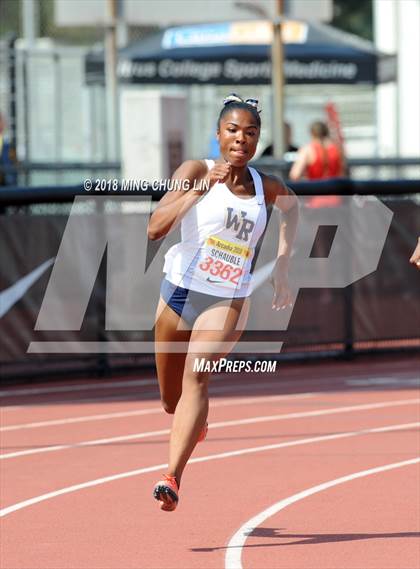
column 222, row 262
column 223, row 271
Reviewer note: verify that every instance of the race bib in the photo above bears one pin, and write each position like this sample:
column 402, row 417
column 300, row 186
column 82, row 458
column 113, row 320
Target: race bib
column 222, row 262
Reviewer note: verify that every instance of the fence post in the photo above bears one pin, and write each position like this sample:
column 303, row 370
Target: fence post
column 349, row 296
column 26, row 114
column 102, row 363
column 11, row 68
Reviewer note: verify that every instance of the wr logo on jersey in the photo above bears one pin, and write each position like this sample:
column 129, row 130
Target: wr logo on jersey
column 243, row 225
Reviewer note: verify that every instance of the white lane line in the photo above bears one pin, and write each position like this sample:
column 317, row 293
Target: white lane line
column 104, row 399
column 98, row 385
column 92, row 386
column 239, row 401
column 231, row 387
column 387, row 381
column 81, row 387
column 237, row 542
column 250, row 450
column 219, row 425
column 83, row 419
column 130, row 396
column 142, row 394
column 117, row 415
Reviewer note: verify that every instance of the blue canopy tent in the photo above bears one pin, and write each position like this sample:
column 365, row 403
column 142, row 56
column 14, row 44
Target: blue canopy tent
column 239, row 53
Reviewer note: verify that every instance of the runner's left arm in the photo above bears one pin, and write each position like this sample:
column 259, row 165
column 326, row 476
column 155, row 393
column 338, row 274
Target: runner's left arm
column 285, row 200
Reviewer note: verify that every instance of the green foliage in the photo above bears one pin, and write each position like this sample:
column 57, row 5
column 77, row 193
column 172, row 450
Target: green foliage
column 9, row 17
column 11, row 21
column 68, row 35
column 354, row 16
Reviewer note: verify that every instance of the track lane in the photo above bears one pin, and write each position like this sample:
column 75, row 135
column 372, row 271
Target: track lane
column 358, row 523
column 115, row 525
column 289, row 375
column 33, row 445
column 23, row 478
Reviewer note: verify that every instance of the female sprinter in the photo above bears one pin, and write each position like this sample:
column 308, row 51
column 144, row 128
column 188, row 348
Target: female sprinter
column 204, row 299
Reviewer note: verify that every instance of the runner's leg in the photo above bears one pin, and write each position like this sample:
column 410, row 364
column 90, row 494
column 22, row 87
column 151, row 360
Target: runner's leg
column 170, row 366
column 217, row 329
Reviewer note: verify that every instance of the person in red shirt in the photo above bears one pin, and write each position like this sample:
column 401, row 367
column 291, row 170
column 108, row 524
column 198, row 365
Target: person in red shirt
column 321, row 159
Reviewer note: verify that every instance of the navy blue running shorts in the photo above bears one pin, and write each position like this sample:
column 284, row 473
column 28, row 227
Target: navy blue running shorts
column 187, row 303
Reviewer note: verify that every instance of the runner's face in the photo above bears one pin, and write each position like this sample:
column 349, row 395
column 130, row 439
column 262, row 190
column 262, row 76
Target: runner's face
column 238, row 137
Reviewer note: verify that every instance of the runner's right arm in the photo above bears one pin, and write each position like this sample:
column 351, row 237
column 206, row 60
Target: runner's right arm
column 175, row 204
column 415, row 257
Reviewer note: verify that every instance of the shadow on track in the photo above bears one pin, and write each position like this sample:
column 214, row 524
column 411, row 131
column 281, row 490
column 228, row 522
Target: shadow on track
column 308, row 538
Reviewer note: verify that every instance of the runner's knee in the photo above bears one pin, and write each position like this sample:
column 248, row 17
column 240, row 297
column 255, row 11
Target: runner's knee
column 169, row 406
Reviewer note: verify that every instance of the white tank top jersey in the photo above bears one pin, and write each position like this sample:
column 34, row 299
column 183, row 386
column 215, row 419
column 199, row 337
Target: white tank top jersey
column 218, row 240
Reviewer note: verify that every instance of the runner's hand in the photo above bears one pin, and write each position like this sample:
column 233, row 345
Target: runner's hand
column 282, row 297
column 219, row 173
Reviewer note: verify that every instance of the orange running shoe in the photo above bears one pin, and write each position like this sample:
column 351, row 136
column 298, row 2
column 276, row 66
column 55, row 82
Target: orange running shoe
column 166, row 492
column 203, row 433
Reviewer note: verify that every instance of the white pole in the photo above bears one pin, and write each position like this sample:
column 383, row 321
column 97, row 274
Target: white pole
column 30, row 26
column 277, row 82
column 111, row 79
column 122, row 27
column 30, row 21
column 277, row 73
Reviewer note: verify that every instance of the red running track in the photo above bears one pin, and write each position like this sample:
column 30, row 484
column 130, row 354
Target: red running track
column 310, row 467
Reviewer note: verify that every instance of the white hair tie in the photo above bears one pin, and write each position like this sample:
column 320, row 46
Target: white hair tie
column 234, row 98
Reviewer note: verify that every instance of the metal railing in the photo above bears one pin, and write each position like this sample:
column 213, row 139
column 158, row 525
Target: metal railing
column 64, row 173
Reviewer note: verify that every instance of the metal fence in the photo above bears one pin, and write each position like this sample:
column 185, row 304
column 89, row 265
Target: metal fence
column 379, row 311
column 41, row 173
column 55, row 118
column 52, row 115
